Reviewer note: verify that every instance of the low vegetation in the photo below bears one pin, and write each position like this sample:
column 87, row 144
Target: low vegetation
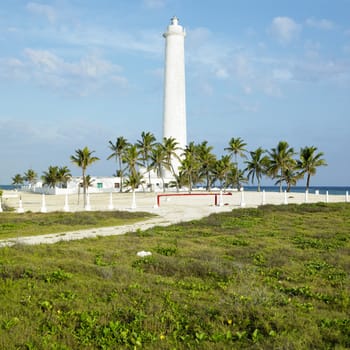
column 276, row 277
column 14, row 225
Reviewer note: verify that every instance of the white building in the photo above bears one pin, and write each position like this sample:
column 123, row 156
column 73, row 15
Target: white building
column 98, row 184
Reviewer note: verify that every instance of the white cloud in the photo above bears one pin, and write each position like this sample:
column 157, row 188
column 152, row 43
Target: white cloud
column 154, row 3
column 144, row 41
column 12, row 130
column 242, row 66
column 312, row 45
column 282, row 74
column 204, row 50
column 247, row 90
column 262, row 45
column 284, row 29
column 271, row 89
column 221, row 73
column 218, row 59
column 44, row 60
column 82, row 34
column 242, row 105
column 43, row 10
column 88, row 67
column 12, row 29
column 322, row 71
column 324, row 24
column 207, row 89
column 312, row 49
column 214, row 58
column 45, row 68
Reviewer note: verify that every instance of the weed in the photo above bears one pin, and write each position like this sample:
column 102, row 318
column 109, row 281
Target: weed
column 56, row 276
column 99, row 260
column 167, row 251
column 8, row 324
column 272, row 277
column 315, row 243
column 142, row 263
column 259, row 259
column 239, row 242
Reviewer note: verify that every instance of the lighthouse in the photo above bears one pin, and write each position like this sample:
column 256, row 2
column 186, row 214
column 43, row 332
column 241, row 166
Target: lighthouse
column 174, row 117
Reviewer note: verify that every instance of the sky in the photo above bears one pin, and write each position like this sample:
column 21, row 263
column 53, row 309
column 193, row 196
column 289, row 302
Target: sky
column 76, row 73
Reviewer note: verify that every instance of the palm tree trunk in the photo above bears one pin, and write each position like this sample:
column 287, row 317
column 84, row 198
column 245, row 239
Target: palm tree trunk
column 308, row 181
column 160, row 174
column 121, row 175
column 173, row 171
column 208, row 182
column 149, row 177
column 84, row 187
column 163, row 182
column 281, row 181
column 237, row 179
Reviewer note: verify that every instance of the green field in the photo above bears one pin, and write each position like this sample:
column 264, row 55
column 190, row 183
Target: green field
column 13, row 225
column 276, row 277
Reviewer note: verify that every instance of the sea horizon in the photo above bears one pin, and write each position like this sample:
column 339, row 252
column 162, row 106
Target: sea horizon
column 332, row 190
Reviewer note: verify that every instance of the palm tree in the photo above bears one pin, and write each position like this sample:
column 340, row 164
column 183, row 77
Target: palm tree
column 290, row 176
column 30, row 176
column 222, row 168
column 131, row 157
column 145, row 146
column 309, row 161
column 257, row 165
column 171, row 148
column 64, row 175
column 17, row 180
column 134, row 180
column 83, row 158
column 50, row 178
column 207, row 160
column 118, row 149
column 89, row 181
column 158, row 161
column 190, row 164
column 280, row 159
column 180, row 181
column 237, row 148
column 235, row 177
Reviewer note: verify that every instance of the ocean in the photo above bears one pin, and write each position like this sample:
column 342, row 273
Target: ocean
column 7, row 187
column 332, row 190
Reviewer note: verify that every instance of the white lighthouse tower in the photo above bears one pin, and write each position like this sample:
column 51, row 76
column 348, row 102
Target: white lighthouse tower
column 174, row 118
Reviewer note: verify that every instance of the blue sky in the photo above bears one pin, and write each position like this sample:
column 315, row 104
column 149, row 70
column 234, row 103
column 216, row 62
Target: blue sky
column 77, row 73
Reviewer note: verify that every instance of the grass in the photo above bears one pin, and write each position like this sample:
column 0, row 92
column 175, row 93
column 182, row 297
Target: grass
column 14, row 225
column 276, row 277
